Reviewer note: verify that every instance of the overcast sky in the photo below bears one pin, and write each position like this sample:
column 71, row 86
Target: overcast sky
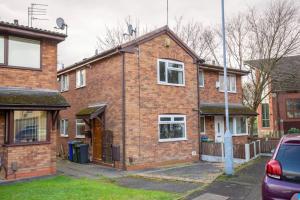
column 87, row 19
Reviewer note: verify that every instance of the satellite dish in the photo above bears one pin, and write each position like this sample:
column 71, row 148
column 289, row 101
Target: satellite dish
column 60, row 22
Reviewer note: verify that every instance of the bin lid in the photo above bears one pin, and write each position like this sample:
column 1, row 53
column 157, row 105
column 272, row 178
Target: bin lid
column 74, row 142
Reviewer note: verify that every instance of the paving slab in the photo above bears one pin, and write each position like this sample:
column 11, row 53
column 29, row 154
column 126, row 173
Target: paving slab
column 89, row 170
column 160, row 185
column 200, row 172
column 210, row 196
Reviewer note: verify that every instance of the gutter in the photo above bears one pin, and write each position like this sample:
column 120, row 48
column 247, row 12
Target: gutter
column 198, row 111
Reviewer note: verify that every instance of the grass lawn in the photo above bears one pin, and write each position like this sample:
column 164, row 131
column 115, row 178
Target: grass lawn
column 64, row 188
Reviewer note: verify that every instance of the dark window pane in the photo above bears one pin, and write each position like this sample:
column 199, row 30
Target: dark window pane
column 162, row 71
column 171, row 131
column 202, row 124
column 175, row 77
column 201, row 78
column 29, row 126
column 265, row 115
column 179, row 66
column 165, row 119
column 178, row 119
column 289, row 158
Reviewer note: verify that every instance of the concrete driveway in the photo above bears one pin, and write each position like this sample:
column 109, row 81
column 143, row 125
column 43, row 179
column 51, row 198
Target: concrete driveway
column 245, row 184
column 177, row 179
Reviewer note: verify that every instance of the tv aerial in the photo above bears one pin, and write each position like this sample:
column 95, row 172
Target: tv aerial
column 36, row 11
column 60, row 23
column 130, row 30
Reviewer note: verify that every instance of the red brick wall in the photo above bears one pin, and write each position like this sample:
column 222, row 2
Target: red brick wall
column 45, row 78
column 145, row 100
column 210, row 94
column 103, row 85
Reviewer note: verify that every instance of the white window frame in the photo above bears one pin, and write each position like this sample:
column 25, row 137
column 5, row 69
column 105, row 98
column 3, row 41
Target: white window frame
column 65, row 128
column 166, row 61
column 78, row 80
column 235, row 127
column 202, row 133
column 64, row 83
column 76, row 122
column 172, row 122
column 2, row 50
column 228, row 79
column 202, row 78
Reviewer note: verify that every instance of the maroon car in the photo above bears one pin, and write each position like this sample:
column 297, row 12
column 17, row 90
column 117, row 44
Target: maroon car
column 282, row 179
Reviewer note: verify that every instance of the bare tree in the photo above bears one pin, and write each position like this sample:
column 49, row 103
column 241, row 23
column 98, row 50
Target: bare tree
column 272, row 34
column 115, row 36
column 202, row 40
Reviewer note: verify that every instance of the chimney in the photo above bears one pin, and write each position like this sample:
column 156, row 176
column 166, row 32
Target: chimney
column 16, row 22
column 96, row 52
column 213, row 62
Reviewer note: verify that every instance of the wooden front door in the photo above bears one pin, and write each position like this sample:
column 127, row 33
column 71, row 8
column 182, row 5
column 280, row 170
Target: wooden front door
column 97, row 140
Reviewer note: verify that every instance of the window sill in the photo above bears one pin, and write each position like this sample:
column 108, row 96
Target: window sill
column 64, row 136
column 80, row 137
column 62, row 91
column 202, row 133
column 20, row 67
column 81, row 87
column 170, row 84
column 228, row 92
column 26, row 144
column 201, row 86
column 172, row 140
column 236, row 135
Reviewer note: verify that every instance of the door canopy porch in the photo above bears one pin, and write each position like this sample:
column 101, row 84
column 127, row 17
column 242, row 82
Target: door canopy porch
column 91, row 112
column 219, row 109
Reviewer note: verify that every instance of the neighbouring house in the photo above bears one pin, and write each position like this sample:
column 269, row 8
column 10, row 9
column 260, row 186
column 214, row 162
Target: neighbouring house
column 212, row 108
column 280, row 110
column 140, row 104
column 29, row 101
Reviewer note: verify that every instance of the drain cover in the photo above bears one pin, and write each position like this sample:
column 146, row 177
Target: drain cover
column 210, row 196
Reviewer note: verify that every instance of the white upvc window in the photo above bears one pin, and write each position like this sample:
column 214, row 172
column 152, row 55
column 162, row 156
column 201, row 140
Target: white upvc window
column 238, row 125
column 64, row 124
column 23, row 52
column 171, row 128
column 64, row 83
column 201, row 78
column 202, row 125
column 170, row 72
column 231, row 83
column 80, row 78
column 80, row 127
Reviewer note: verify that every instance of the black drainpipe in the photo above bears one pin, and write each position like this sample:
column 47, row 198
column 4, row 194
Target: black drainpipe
column 123, row 112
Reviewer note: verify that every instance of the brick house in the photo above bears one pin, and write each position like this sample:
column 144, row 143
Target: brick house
column 142, row 98
column 29, row 101
column 280, row 110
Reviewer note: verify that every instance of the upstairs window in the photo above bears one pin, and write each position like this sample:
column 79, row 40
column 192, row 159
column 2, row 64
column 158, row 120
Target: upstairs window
column 231, row 83
column 24, row 52
column 1, row 49
column 170, row 72
column 201, row 78
column 293, row 108
column 64, row 83
column 265, row 115
column 80, row 78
